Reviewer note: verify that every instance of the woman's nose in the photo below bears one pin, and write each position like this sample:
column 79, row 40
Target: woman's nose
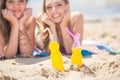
column 16, row 4
column 53, row 9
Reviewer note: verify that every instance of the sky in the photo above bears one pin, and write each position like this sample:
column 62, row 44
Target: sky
column 90, row 8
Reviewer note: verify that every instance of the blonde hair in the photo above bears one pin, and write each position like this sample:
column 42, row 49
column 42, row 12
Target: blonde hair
column 44, row 31
column 42, row 36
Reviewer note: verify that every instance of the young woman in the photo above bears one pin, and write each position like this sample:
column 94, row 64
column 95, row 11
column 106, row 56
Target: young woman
column 56, row 16
column 17, row 27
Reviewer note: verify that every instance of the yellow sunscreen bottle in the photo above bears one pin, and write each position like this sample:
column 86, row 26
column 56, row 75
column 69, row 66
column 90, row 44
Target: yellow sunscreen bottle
column 76, row 58
column 55, row 55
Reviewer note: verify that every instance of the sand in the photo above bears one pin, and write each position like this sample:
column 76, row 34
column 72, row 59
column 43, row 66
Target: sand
column 101, row 66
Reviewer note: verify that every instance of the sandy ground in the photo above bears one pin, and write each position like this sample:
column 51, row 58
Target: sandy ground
column 102, row 66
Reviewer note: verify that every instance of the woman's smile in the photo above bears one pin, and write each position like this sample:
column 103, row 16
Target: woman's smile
column 56, row 16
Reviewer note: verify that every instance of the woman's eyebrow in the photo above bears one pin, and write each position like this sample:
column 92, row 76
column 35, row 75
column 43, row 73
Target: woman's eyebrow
column 59, row 2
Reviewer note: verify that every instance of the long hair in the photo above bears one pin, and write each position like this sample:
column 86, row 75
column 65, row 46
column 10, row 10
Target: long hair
column 4, row 24
column 45, row 31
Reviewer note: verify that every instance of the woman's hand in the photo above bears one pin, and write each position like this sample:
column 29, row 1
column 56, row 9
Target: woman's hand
column 46, row 20
column 66, row 18
column 51, row 25
column 8, row 15
column 26, row 15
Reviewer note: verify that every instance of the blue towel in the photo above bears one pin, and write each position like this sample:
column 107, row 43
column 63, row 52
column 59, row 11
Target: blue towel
column 40, row 53
column 86, row 53
column 107, row 48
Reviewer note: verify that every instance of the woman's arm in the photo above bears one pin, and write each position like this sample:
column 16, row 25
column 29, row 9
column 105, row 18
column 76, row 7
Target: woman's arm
column 2, row 43
column 10, row 48
column 51, row 24
column 75, row 26
column 26, row 33
column 67, row 39
column 27, row 39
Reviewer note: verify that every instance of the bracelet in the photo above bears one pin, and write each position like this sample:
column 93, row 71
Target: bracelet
column 23, row 33
column 23, row 36
column 1, row 56
column 24, row 43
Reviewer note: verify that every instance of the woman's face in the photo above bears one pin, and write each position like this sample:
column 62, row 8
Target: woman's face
column 16, row 6
column 55, row 10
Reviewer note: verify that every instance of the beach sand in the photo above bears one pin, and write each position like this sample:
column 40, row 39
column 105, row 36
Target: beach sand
column 101, row 66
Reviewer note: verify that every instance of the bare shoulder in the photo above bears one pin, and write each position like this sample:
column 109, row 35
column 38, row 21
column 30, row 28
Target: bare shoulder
column 31, row 22
column 76, row 17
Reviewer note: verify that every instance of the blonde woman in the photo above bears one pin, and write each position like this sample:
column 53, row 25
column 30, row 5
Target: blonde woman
column 56, row 16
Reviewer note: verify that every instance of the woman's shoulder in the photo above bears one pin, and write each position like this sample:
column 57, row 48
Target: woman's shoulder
column 31, row 20
column 76, row 15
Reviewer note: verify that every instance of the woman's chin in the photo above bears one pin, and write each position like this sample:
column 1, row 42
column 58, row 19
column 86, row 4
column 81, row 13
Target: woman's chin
column 57, row 21
column 18, row 16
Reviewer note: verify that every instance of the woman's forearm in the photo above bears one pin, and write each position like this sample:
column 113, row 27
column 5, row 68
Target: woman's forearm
column 67, row 40
column 11, row 47
column 53, row 31
column 25, row 43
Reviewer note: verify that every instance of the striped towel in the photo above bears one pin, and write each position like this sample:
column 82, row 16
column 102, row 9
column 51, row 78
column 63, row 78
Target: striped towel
column 92, row 49
column 97, row 47
column 100, row 48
